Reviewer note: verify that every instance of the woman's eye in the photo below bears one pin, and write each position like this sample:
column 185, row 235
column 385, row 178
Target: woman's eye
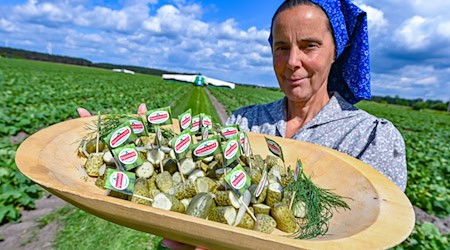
column 281, row 49
column 312, row 46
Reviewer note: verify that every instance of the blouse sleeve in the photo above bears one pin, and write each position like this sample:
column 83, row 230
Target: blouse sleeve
column 241, row 117
column 386, row 152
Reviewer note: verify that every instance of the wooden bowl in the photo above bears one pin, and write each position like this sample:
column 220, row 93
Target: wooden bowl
column 381, row 216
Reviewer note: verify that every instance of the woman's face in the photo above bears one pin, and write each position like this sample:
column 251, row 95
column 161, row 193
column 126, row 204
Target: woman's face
column 303, row 51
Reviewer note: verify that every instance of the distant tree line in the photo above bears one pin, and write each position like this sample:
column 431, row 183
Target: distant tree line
column 142, row 70
column 31, row 55
column 416, row 104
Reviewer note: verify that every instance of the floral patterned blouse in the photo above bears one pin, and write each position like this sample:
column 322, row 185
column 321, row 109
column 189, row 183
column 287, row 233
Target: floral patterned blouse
column 340, row 126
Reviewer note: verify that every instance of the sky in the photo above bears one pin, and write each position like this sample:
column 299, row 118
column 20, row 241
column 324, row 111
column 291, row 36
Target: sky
column 227, row 40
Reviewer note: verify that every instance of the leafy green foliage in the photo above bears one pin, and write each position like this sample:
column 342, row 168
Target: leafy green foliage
column 425, row 236
column 416, row 104
column 95, row 233
column 16, row 190
column 427, row 139
column 242, row 96
column 38, row 94
column 197, row 100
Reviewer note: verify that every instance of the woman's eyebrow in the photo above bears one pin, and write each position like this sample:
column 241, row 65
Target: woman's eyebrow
column 311, row 40
column 280, row 43
column 302, row 40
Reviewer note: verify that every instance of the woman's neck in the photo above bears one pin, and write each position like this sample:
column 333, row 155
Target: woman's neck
column 300, row 113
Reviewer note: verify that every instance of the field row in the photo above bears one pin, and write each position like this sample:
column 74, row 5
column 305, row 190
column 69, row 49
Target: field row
column 242, row 96
column 36, row 95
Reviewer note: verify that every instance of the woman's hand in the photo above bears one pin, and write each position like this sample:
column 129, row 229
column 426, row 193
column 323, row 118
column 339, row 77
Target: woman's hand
column 82, row 112
column 178, row 246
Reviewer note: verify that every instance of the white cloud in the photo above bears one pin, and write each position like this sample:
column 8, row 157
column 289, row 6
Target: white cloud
column 443, row 29
column 128, row 19
column 413, row 82
column 427, row 80
column 46, row 10
column 424, row 33
column 152, row 24
column 431, row 8
column 7, row 25
column 414, row 33
column 409, row 39
column 376, row 21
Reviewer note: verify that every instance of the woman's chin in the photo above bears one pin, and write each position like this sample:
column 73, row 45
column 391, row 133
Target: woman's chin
column 297, row 96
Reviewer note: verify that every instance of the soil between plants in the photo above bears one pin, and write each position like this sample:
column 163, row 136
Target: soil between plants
column 28, row 234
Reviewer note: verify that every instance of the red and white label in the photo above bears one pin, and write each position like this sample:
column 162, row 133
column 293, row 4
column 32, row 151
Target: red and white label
column 195, row 124
column 182, row 143
column 261, row 185
column 205, row 134
column 274, row 148
column 238, row 179
column 137, row 126
column 119, row 180
column 231, row 149
column 229, row 132
column 128, row 156
column 158, row 117
column 206, row 122
column 244, row 144
column 186, row 121
column 206, row 148
column 119, row 137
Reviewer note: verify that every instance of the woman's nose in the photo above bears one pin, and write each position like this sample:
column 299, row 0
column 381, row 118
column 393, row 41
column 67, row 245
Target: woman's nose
column 294, row 61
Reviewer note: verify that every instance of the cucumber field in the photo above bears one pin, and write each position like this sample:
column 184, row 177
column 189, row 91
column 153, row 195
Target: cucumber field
column 35, row 95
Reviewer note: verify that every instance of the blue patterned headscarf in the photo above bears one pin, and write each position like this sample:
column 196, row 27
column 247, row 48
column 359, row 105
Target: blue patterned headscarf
column 350, row 73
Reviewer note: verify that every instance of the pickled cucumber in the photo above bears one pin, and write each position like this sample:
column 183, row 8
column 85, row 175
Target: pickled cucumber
column 93, row 164
column 255, row 175
column 164, row 181
column 145, row 170
column 206, row 184
column 152, row 182
column 201, row 205
column 91, row 144
column 167, row 202
column 284, row 217
column 223, row 214
column 141, row 189
column 261, row 208
column 184, row 190
column 227, row 198
column 274, row 194
column 246, row 222
column 272, row 161
column 261, row 198
column 265, row 223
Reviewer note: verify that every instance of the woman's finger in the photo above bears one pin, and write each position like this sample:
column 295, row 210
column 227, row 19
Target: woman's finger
column 82, row 112
column 142, row 109
column 176, row 245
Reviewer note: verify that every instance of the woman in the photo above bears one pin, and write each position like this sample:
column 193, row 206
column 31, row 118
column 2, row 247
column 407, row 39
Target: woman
column 321, row 61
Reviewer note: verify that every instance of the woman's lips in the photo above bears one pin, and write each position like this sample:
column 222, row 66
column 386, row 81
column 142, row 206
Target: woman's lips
column 295, row 81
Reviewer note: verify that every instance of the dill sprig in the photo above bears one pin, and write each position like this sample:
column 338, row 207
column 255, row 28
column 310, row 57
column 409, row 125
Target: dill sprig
column 319, row 204
column 110, row 122
column 107, row 124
